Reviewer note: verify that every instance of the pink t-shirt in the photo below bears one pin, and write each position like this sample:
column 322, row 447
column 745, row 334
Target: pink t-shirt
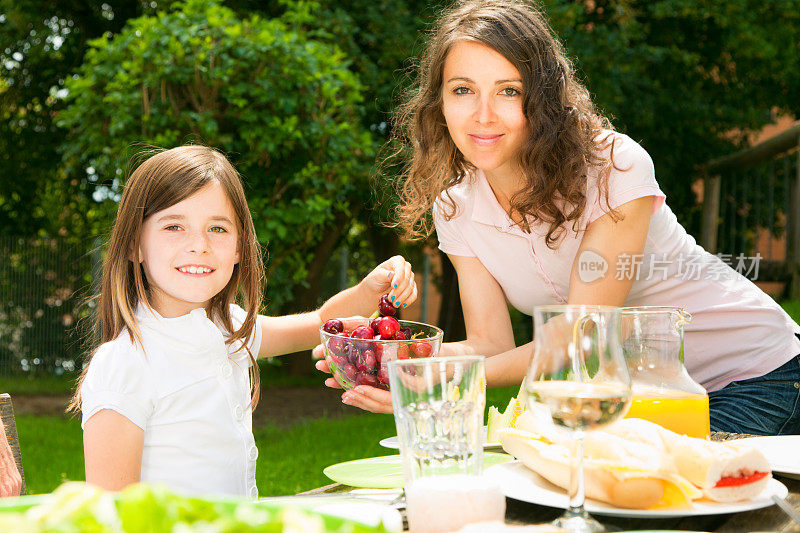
column 737, row 331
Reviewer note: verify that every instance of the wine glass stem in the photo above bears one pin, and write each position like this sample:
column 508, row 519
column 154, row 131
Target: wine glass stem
column 577, row 493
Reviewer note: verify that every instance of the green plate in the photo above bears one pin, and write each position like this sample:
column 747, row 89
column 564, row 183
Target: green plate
column 386, row 472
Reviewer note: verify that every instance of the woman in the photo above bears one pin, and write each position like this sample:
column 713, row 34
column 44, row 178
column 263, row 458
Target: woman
column 536, row 200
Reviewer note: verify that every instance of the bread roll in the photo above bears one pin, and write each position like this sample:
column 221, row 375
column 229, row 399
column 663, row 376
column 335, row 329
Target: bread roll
column 628, row 483
column 724, row 471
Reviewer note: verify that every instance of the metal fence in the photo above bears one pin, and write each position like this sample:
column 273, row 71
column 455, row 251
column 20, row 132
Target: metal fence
column 43, row 286
column 752, row 206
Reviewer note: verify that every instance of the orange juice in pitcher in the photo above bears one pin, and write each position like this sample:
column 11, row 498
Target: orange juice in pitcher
column 663, row 391
column 678, row 411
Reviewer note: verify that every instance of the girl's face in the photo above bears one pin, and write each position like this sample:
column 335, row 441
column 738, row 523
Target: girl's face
column 188, row 251
column 482, row 105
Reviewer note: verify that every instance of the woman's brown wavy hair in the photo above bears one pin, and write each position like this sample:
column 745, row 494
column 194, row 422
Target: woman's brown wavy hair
column 564, row 141
column 161, row 181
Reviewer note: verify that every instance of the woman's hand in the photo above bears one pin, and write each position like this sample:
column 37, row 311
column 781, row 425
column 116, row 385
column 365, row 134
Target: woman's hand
column 395, row 278
column 364, row 397
column 369, row 399
column 10, row 479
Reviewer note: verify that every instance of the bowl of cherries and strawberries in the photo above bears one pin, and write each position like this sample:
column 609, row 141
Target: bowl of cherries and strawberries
column 359, row 357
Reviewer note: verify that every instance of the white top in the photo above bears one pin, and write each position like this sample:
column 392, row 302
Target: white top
column 190, row 393
column 737, row 331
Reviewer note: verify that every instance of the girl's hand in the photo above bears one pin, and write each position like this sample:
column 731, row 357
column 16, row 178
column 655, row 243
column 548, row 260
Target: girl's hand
column 395, row 277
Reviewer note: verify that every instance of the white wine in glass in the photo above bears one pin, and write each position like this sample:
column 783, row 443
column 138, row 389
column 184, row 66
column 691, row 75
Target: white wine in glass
column 578, row 379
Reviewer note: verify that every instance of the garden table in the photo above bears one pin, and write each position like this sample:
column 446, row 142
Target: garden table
column 766, row 519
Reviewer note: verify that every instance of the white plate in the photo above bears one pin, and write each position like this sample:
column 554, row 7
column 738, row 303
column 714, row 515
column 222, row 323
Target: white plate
column 394, row 443
column 783, row 452
column 520, row 483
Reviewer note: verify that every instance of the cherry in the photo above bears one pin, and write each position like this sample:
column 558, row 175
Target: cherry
column 351, row 352
column 388, row 326
column 350, row 371
column 382, row 351
column 333, row 326
column 366, row 379
column 400, row 336
column 421, row 349
column 361, row 365
column 374, row 325
column 407, row 332
column 370, row 361
column 403, row 352
column 386, row 307
column 335, row 345
column 362, row 332
column 383, row 374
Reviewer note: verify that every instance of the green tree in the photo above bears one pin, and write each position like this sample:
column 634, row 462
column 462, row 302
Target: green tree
column 688, row 79
column 41, row 43
column 283, row 105
column 382, row 39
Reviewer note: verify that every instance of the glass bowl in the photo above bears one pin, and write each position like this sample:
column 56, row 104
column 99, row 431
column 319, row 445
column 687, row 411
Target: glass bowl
column 356, row 361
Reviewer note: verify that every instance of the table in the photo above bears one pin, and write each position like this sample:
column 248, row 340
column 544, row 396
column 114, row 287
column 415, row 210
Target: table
column 766, row 519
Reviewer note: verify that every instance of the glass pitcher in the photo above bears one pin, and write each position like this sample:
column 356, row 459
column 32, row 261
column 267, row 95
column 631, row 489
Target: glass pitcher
column 663, row 391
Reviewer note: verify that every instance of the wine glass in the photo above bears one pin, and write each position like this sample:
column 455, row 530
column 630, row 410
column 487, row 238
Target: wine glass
column 578, row 379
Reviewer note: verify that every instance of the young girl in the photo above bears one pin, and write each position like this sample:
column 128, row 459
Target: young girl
column 527, row 183
column 166, row 397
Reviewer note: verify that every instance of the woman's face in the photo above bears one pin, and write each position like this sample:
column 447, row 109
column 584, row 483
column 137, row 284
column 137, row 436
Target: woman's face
column 482, row 105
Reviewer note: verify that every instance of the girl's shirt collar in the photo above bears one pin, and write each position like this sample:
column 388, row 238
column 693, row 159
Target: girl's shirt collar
column 192, row 332
column 148, row 315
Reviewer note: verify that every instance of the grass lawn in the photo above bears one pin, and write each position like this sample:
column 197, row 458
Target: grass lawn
column 38, row 384
column 793, row 309
column 52, row 451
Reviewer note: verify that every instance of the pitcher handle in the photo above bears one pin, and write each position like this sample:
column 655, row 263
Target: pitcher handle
column 684, row 317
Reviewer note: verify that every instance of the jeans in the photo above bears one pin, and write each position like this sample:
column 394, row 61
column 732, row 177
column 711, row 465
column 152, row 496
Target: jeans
column 764, row 405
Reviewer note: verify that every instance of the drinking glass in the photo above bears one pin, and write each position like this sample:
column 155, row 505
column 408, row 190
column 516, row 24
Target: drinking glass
column 438, row 409
column 578, row 380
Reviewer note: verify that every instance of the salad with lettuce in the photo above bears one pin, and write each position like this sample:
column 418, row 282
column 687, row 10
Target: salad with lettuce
column 77, row 507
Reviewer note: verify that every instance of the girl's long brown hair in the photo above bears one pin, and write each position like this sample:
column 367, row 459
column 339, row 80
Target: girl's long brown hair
column 564, row 126
column 161, row 181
